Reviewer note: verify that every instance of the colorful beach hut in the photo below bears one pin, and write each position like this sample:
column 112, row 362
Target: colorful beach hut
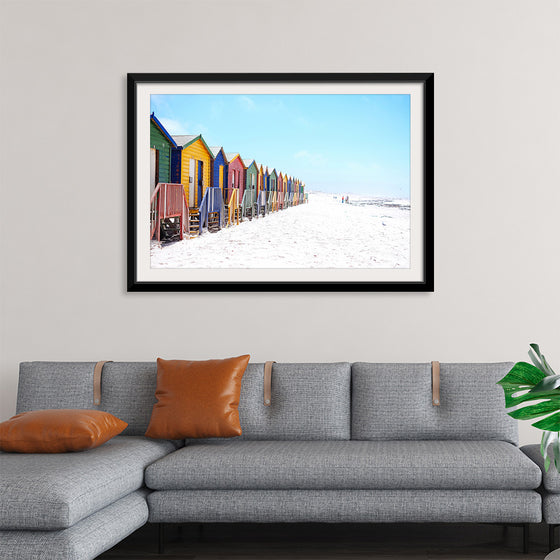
column 219, row 170
column 236, row 186
column 195, row 173
column 280, row 190
column 249, row 201
column 161, row 147
column 289, row 192
column 196, row 166
column 273, row 191
column 261, row 190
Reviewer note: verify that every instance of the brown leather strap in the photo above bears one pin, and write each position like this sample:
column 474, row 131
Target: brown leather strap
column 268, row 383
column 97, row 381
column 435, row 383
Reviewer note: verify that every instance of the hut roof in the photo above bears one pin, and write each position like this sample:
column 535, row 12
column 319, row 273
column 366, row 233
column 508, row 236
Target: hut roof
column 154, row 119
column 248, row 161
column 230, row 157
column 188, row 139
column 216, row 150
column 184, row 139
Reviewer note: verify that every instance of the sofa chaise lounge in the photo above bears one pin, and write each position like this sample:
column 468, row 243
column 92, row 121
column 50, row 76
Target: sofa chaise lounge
column 339, row 442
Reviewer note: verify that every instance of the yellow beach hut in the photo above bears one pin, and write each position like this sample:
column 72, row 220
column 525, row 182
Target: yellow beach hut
column 196, row 166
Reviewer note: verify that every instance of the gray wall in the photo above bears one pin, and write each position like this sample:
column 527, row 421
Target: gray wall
column 63, row 146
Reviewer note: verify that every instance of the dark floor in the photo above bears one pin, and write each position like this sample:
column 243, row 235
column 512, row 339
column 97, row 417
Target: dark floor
column 330, row 542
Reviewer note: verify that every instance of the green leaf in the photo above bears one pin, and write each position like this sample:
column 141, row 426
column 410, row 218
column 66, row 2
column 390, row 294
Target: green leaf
column 522, row 375
column 512, row 400
column 556, row 451
column 547, row 384
column 540, row 362
column 547, row 437
column 549, row 369
column 536, row 410
column 550, row 423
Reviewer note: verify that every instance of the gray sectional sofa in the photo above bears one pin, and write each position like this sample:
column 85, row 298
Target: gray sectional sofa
column 340, row 442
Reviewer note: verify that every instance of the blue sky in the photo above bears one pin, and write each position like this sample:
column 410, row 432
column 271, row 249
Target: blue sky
column 333, row 143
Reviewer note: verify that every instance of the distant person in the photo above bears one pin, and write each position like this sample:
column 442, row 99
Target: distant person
column 342, row 200
column 346, row 199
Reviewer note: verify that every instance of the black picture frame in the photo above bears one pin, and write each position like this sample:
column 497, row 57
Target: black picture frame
column 425, row 81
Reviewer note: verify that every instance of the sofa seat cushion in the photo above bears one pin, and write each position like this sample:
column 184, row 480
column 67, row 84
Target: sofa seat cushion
column 54, row 491
column 322, row 465
column 550, row 478
column 85, row 540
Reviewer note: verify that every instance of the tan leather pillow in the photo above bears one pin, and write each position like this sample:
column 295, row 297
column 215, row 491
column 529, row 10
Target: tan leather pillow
column 197, row 399
column 58, row 431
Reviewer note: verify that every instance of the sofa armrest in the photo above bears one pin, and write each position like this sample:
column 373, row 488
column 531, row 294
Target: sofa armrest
column 551, row 479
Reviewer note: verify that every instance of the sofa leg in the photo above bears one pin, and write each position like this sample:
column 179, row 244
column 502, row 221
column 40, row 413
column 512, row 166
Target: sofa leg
column 161, row 538
column 551, row 544
column 525, row 538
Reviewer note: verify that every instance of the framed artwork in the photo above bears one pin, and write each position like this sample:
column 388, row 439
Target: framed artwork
column 280, row 182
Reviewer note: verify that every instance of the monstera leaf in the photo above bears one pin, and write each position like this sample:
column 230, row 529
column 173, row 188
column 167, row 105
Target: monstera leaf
column 526, row 383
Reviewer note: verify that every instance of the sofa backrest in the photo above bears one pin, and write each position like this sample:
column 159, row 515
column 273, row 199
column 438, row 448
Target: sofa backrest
column 394, row 401
column 127, row 389
column 309, row 401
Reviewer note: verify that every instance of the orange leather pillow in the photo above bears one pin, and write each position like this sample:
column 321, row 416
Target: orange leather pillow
column 197, row 399
column 58, row 431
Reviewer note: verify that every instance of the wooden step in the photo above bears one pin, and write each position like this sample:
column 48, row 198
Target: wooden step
column 214, row 222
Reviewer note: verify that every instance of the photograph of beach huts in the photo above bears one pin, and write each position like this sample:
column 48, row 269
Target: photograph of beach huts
column 280, row 181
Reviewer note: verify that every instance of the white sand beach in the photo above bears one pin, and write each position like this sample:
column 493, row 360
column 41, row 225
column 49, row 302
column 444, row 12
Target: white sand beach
column 324, row 233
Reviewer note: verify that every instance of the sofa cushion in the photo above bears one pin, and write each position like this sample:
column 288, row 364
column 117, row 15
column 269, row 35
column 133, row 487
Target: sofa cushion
column 85, row 540
column 344, row 465
column 309, row 402
column 54, row 491
column 551, row 508
column 40, row 385
column 550, row 478
column 197, row 399
column 58, row 430
column 394, row 401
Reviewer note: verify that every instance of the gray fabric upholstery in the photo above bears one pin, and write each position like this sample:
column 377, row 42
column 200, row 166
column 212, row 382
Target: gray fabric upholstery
column 551, row 508
column 54, row 491
column 394, row 401
column 45, row 385
column 550, row 489
column 85, row 540
column 368, row 506
column 271, row 465
column 309, row 402
column 550, row 479
column 128, row 391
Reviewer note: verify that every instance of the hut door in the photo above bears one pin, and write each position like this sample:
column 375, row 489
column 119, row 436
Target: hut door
column 200, row 176
column 191, row 183
column 153, row 168
column 221, row 184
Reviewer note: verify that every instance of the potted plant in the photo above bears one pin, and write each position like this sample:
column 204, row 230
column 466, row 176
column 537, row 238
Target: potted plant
column 526, row 383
